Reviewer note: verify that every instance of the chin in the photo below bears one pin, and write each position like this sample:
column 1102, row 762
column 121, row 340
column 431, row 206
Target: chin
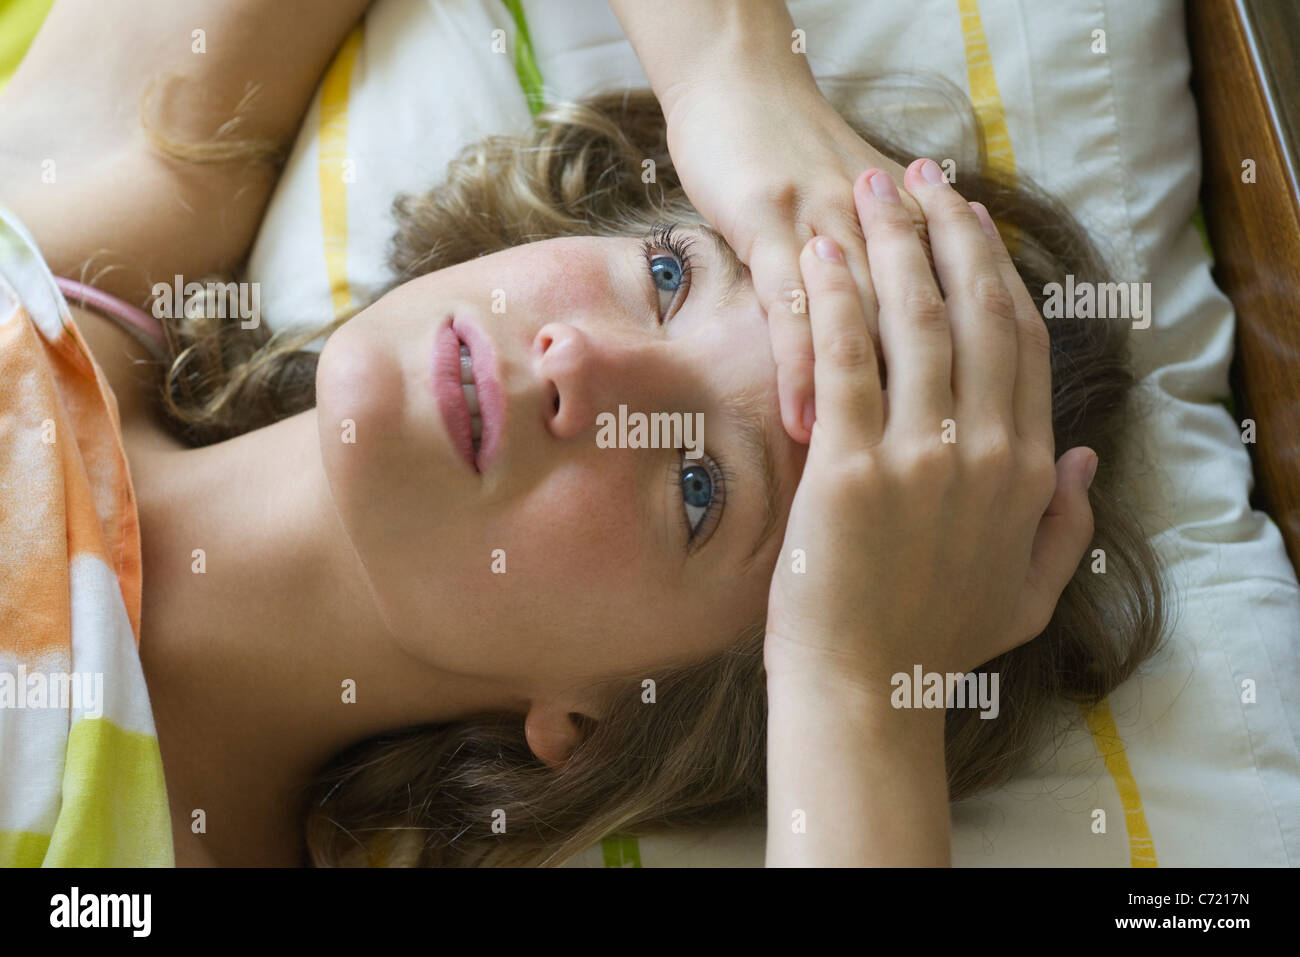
column 359, row 400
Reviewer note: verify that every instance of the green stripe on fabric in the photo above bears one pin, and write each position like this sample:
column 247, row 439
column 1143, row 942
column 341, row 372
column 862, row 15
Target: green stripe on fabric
column 22, row 848
column 530, row 78
column 1198, row 220
column 621, row 850
column 114, row 811
column 20, row 21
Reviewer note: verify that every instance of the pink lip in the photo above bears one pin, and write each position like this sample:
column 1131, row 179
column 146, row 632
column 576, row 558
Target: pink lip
column 445, row 382
column 487, row 380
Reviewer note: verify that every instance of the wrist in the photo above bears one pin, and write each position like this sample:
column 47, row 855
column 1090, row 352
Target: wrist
column 736, row 74
column 749, row 46
column 861, row 696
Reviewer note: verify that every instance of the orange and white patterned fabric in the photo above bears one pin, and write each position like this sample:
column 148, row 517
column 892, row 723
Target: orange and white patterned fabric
column 81, row 781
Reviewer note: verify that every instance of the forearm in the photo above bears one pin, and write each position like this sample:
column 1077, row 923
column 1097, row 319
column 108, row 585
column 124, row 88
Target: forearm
column 714, row 41
column 852, row 781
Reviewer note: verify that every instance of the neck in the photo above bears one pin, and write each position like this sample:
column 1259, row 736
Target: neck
column 257, row 619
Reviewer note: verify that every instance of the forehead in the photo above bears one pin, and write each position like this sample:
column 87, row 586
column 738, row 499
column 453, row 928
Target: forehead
column 724, row 318
column 729, row 337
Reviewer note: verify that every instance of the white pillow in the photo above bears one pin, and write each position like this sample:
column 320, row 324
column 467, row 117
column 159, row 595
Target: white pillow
column 1188, row 768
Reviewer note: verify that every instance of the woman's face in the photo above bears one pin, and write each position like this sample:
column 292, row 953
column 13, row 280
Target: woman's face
column 561, row 555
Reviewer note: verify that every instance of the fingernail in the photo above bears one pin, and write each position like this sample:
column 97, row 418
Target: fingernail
column 931, row 173
column 828, row 250
column 986, row 221
column 882, row 184
column 1092, row 472
column 809, row 414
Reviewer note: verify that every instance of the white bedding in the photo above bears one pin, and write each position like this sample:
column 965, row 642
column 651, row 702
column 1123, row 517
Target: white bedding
column 1205, row 778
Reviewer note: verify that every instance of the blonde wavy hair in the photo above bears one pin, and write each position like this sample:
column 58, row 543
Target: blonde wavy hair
column 427, row 795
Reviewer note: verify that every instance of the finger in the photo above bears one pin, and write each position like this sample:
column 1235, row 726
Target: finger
column 914, row 331
column 840, row 222
column 850, row 410
column 774, row 268
column 1032, row 400
column 1063, row 536
column 981, row 312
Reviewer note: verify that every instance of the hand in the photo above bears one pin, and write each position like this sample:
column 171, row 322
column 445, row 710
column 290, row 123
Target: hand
column 920, row 551
column 769, row 166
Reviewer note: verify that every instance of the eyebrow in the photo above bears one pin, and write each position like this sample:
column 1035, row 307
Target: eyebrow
column 754, row 440
column 752, row 429
column 737, row 271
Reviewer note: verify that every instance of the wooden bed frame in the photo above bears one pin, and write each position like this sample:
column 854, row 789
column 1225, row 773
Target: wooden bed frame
column 1246, row 78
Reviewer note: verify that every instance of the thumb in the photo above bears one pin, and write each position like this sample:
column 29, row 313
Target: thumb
column 1062, row 539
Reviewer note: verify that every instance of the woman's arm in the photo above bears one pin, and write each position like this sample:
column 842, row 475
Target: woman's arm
column 686, row 44
column 77, row 167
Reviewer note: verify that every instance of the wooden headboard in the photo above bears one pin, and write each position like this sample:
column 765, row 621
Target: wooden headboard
column 1246, row 78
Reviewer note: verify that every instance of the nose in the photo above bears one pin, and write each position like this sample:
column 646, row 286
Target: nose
column 588, row 375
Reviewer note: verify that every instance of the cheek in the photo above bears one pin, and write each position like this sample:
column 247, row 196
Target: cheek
column 582, row 526
column 576, row 573
column 571, row 277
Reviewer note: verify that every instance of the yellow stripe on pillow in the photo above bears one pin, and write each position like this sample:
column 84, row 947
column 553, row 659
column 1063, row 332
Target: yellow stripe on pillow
column 1142, row 850
column 984, row 89
column 992, row 118
column 332, row 168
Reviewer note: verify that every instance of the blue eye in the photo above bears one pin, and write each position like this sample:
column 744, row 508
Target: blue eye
column 669, row 263
column 667, row 273
column 702, row 486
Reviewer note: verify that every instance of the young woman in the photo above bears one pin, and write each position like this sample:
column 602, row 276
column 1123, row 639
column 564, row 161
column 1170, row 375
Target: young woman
column 549, row 640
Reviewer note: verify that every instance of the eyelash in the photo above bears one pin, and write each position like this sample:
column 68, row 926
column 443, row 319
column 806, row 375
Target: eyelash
column 665, row 239
column 721, row 477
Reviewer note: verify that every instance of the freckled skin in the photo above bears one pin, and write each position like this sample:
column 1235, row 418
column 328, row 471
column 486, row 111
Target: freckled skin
column 598, row 578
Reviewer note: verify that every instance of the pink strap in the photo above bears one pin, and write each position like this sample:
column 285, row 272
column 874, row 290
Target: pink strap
column 143, row 327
